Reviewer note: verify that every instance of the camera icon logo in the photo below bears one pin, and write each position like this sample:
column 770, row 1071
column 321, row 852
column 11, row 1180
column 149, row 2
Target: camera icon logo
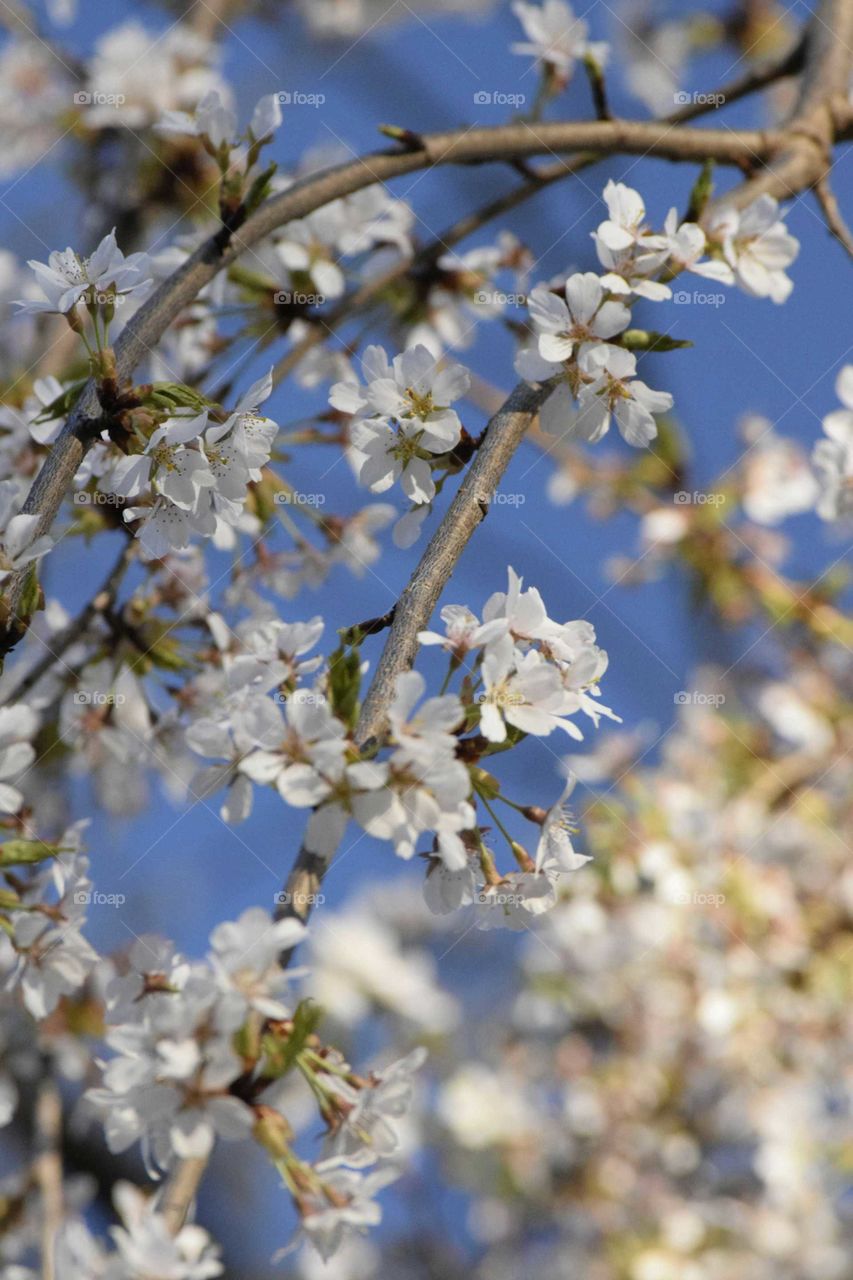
column 482, row 98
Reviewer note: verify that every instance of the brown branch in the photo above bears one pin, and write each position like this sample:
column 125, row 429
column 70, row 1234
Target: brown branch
column 821, row 114
column 180, row 1191
column 828, row 202
column 412, row 611
column 761, row 76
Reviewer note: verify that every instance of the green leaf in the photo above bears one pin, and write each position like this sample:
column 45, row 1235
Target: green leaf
column 259, row 190
column 280, row 1054
column 20, row 853
column 176, row 395
column 344, row 683
column 63, row 404
column 650, row 340
column 703, row 189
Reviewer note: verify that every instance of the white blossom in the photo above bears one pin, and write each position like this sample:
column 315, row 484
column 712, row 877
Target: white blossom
column 105, row 273
column 612, row 390
column 18, row 726
column 832, row 458
column 626, row 228
column 522, row 691
column 53, row 957
column 464, row 631
column 148, row 1247
column 758, row 247
column 368, row 1132
column 555, row 839
column 136, row 75
column 555, row 36
column 572, row 328
column 410, row 401
column 343, row 1204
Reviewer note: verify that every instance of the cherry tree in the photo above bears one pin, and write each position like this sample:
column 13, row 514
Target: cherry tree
column 147, row 371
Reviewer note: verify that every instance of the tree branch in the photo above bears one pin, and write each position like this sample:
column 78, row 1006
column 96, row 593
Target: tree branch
column 461, row 146
column 821, row 115
column 179, row 1191
column 835, row 221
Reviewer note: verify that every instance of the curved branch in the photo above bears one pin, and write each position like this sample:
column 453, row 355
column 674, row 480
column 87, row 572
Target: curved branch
column 503, row 435
column 468, row 509
column 460, row 146
column 821, row 115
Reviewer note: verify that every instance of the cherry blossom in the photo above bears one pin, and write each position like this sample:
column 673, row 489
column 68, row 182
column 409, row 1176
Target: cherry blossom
column 758, row 247
column 584, row 321
column 410, row 401
column 612, row 390
column 67, row 279
column 555, row 36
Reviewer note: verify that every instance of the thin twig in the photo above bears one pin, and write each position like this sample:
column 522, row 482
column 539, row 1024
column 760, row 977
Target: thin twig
column 832, row 212
column 102, row 601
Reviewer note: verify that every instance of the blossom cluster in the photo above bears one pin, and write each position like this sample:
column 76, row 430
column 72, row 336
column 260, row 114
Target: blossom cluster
column 524, row 675
column 198, row 1051
column 195, row 472
column 581, row 328
column 402, row 424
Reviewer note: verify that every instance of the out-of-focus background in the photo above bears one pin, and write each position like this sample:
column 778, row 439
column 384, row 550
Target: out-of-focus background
column 645, row 1041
